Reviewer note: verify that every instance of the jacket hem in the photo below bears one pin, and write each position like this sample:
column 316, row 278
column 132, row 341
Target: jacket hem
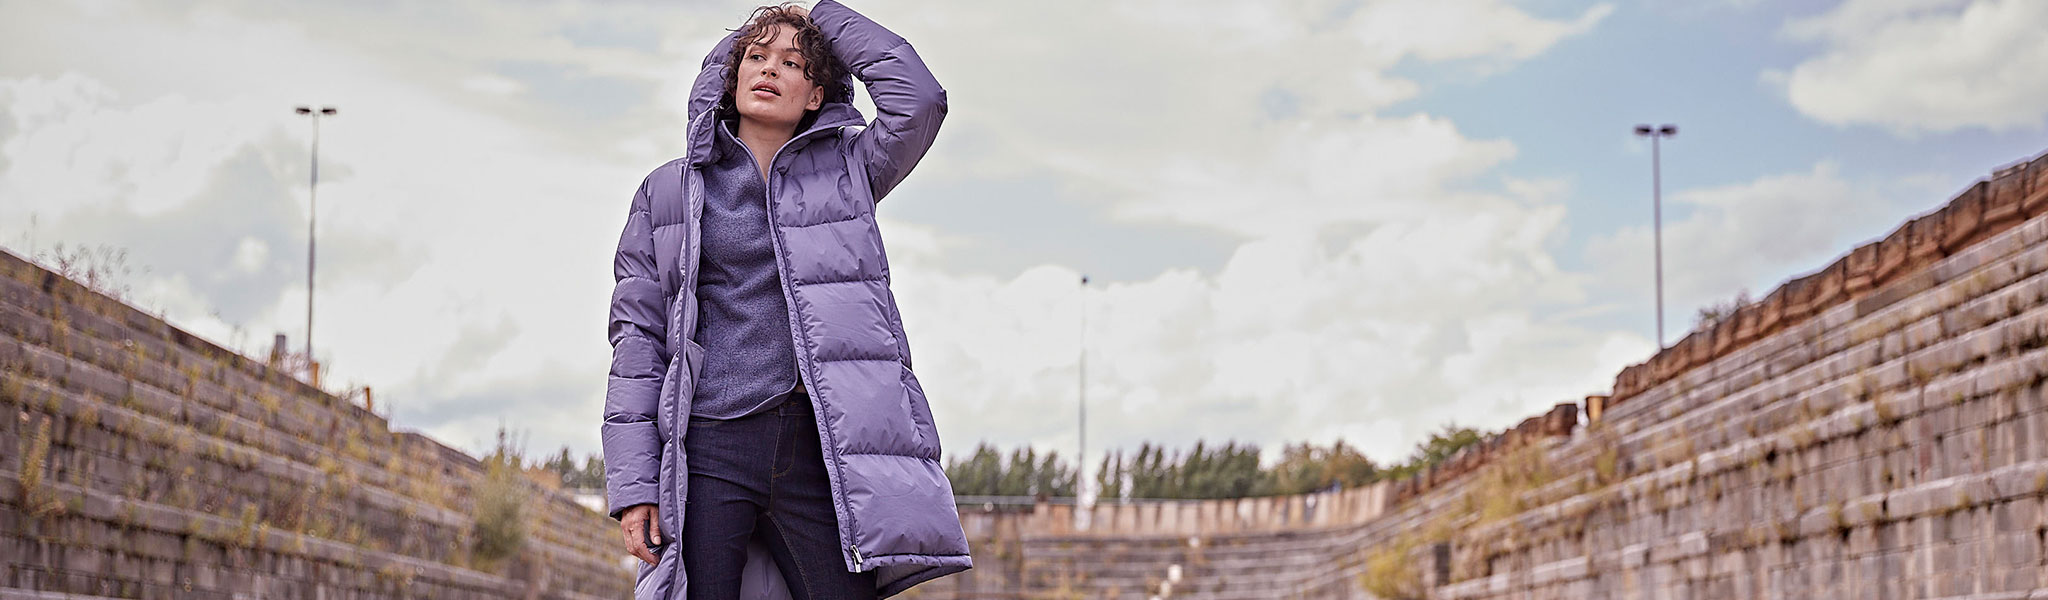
column 935, row 566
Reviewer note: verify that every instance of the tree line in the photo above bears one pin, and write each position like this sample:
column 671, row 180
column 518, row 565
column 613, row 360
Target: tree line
column 590, row 474
column 1205, row 471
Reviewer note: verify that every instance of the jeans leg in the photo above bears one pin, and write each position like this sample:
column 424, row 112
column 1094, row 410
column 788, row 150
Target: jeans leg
column 801, row 526
column 729, row 468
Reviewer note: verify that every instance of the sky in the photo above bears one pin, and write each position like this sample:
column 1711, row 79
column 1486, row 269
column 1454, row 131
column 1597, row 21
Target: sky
column 1303, row 221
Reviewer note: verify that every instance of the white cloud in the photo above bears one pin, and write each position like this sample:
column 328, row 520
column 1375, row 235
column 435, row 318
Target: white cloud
column 251, row 254
column 1744, row 236
column 1136, row 104
column 493, row 84
column 1435, row 31
column 1313, row 174
column 436, row 214
column 1375, row 281
column 1923, row 65
column 1413, row 324
column 474, row 183
column 68, row 139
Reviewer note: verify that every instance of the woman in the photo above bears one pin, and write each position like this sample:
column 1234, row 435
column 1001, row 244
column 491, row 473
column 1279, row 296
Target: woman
column 752, row 308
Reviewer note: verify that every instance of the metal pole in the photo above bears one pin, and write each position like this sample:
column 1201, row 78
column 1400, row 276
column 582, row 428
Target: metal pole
column 1657, row 216
column 312, row 213
column 1656, row 135
column 1082, row 458
column 1083, row 510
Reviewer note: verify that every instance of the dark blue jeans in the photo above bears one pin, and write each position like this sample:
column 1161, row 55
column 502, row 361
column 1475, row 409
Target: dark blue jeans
column 763, row 474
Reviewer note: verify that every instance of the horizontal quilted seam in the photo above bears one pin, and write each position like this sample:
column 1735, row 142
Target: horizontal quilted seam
column 856, row 359
column 820, row 223
column 840, row 281
column 917, row 457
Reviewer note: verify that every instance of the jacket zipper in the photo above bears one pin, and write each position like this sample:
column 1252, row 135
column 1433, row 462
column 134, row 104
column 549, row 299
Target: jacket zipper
column 695, row 210
column 789, row 301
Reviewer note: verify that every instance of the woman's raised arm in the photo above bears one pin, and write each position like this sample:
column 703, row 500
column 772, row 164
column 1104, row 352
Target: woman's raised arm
column 909, row 102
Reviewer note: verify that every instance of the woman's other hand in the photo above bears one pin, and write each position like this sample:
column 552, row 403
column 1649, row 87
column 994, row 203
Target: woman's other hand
column 636, row 521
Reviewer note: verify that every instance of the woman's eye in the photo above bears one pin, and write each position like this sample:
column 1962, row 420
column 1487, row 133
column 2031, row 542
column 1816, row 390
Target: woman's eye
column 791, row 64
column 754, row 57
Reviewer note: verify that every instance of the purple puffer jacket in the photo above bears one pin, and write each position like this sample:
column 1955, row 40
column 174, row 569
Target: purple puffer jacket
column 895, row 506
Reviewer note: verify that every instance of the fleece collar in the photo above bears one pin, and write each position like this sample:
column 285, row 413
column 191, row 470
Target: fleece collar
column 704, row 147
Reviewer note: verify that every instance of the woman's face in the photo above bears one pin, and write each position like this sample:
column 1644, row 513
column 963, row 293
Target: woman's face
column 771, row 87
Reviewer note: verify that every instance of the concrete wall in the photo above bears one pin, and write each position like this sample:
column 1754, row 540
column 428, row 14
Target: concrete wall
column 137, row 460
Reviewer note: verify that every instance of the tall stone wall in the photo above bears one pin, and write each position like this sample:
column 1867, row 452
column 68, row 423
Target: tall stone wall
column 139, row 461
column 1877, row 429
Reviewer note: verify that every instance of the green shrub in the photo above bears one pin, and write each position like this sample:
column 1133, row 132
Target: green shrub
column 500, row 526
column 1390, row 572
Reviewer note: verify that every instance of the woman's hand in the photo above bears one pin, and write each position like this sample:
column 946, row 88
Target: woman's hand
column 636, row 521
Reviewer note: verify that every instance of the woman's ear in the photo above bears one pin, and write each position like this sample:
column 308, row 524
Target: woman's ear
column 817, row 98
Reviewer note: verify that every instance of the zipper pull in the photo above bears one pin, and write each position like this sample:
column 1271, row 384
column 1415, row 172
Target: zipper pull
column 856, row 555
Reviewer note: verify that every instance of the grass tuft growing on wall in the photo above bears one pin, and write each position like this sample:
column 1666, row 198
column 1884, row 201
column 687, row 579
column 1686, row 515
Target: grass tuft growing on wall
column 500, row 527
column 1391, row 573
column 37, row 500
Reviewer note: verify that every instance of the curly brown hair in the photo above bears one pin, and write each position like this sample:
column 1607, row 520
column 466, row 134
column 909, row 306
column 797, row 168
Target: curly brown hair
column 820, row 67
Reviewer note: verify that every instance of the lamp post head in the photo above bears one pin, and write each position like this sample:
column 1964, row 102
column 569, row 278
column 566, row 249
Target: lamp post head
column 304, row 110
column 329, row 110
column 324, row 110
column 1665, row 130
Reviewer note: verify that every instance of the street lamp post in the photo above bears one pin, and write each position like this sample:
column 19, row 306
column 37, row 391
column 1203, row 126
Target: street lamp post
column 1657, row 210
column 1081, row 459
column 312, row 205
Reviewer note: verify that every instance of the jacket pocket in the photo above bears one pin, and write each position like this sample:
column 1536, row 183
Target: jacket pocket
column 920, row 415
column 693, row 355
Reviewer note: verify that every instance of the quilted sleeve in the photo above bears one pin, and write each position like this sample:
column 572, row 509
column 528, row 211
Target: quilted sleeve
column 909, row 103
column 638, row 333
